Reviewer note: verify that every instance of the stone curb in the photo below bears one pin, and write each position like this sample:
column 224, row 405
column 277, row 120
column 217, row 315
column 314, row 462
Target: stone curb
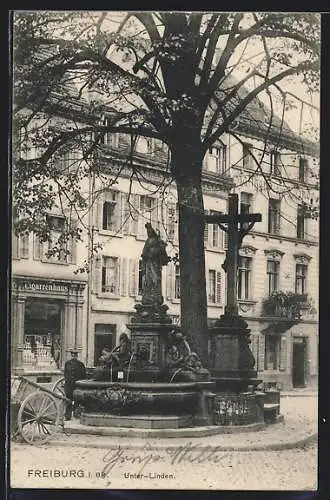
column 297, row 442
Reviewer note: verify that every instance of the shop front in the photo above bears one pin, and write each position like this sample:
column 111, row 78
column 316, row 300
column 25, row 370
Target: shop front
column 47, row 322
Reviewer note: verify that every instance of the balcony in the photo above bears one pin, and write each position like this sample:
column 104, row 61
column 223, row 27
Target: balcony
column 286, row 305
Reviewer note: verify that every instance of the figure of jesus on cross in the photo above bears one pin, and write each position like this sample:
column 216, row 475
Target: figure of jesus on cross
column 237, row 226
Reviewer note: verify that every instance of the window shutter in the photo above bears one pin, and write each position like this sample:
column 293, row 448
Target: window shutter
column 133, row 277
column 123, row 278
column 118, row 276
column 261, row 355
column 15, row 247
column 97, row 274
column 171, row 213
column 170, row 270
column 37, row 248
column 218, row 288
column 73, row 250
column 283, row 353
column 206, row 229
column 135, row 209
column 156, row 214
column 225, row 240
column 99, row 211
column 126, row 213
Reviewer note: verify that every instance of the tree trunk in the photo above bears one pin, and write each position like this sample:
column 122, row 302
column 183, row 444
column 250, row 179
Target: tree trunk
column 187, row 168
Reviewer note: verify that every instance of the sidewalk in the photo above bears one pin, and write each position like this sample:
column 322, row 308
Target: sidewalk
column 298, row 428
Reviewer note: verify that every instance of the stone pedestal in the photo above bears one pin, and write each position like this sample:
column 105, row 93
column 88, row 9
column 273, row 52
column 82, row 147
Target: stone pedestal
column 232, row 361
column 150, row 327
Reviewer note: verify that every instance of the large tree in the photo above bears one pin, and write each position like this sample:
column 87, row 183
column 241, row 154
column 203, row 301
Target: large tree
column 182, row 78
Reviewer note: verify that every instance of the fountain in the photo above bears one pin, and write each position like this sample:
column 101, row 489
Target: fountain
column 152, row 379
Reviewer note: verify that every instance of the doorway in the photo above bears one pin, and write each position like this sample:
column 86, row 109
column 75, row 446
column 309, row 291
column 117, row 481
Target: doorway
column 42, row 333
column 299, row 362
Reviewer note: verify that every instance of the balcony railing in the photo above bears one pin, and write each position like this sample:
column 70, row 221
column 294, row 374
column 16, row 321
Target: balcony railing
column 286, row 305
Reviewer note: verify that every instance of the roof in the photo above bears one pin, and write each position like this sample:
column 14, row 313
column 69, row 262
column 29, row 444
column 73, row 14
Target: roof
column 257, row 121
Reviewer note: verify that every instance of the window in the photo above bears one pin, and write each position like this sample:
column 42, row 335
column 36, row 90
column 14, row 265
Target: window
column 109, row 138
column 144, row 145
column 20, row 246
column 172, row 221
column 301, row 279
column 273, row 268
column 275, row 163
column 111, row 211
column 274, row 216
column 303, row 164
column 246, row 206
column 110, row 275
column 244, row 277
column 58, row 244
column 247, row 158
column 214, row 283
column 177, row 282
column 215, row 232
column 272, row 352
column 147, row 213
column 301, row 222
column 217, row 159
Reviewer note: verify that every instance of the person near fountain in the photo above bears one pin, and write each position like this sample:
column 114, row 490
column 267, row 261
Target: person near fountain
column 73, row 370
column 154, row 257
column 117, row 358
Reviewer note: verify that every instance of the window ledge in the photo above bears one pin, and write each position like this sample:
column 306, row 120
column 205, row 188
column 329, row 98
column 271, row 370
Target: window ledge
column 107, row 232
column 215, row 249
column 247, row 301
column 58, row 262
column 104, row 295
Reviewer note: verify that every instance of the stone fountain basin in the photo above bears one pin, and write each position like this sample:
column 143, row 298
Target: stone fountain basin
column 134, row 398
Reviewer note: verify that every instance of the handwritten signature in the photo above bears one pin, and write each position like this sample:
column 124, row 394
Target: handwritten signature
column 187, row 453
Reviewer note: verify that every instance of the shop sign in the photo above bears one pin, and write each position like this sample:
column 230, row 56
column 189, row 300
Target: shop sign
column 39, row 286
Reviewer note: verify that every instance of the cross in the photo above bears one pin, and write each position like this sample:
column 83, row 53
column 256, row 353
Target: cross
column 235, row 237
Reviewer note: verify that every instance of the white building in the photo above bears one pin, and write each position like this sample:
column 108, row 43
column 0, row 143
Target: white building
column 54, row 309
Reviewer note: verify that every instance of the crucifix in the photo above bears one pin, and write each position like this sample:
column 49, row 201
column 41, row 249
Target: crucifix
column 237, row 226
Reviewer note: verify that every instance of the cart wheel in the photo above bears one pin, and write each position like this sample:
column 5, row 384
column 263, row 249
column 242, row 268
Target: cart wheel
column 38, row 418
column 58, row 387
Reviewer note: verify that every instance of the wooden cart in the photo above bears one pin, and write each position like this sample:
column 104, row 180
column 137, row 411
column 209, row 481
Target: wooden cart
column 36, row 412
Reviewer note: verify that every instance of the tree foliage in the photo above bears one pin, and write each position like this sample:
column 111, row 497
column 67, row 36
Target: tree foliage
column 182, row 78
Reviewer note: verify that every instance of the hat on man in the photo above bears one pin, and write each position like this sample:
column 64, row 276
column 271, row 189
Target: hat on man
column 74, row 351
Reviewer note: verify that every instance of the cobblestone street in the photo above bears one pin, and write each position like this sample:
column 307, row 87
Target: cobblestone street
column 79, row 466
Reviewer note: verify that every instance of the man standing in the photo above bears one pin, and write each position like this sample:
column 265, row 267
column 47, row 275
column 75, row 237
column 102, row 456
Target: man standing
column 73, row 370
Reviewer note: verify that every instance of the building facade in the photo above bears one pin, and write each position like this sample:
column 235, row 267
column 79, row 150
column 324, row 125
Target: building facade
column 55, row 309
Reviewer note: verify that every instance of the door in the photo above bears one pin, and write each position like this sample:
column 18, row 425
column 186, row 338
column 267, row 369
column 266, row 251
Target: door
column 299, row 363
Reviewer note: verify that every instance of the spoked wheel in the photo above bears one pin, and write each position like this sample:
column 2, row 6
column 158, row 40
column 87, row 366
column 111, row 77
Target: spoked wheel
column 38, row 418
column 58, row 387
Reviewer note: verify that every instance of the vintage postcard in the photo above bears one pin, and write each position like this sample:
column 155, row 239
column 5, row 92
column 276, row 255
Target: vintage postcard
column 165, row 250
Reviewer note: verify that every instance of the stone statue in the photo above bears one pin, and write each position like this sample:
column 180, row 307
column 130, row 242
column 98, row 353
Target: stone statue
column 154, row 257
